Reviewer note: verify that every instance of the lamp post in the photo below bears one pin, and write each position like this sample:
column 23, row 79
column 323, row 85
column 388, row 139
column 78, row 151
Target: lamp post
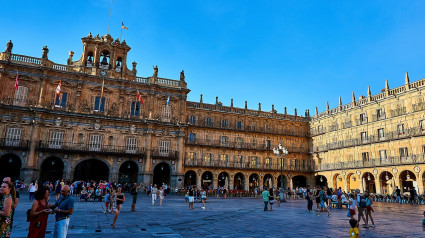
column 280, row 152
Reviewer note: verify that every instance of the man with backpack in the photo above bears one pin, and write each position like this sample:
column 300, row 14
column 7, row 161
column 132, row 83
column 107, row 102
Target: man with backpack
column 323, row 199
column 361, row 206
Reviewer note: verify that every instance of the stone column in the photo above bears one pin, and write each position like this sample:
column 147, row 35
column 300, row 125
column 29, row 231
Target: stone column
column 147, row 174
column 215, row 181
column 198, row 180
column 378, row 186
column 179, row 173
column 260, row 182
column 30, row 168
column 113, row 174
column 67, row 173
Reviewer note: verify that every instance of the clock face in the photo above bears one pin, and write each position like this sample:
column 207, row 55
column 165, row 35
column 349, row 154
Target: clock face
column 103, row 73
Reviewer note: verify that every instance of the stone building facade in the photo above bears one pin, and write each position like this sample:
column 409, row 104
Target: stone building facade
column 374, row 143
column 107, row 123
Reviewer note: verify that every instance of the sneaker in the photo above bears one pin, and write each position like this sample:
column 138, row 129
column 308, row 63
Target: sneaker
column 373, row 226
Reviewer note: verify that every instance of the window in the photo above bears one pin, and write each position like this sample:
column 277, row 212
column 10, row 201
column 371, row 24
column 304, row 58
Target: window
column 164, row 148
column 381, row 134
column 208, row 138
column 253, row 162
column 296, row 164
column 60, row 101
column 166, row 113
column 13, row 136
column 365, row 156
column 192, row 120
column 224, row 141
column 191, row 156
column 268, row 144
column 135, row 109
column 192, row 137
column 224, row 123
column 423, row 149
column 253, row 127
column 379, row 114
column 254, row 142
column 239, row 142
column 21, row 96
column 239, row 161
column 403, row 153
column 302, row 164
column 383, row 155
column 131, row 145
column 224, row 159
column 207, row 158
column 208, row 121
column 422, row 125
column 99, row 104
column 268, row 163
column 267, row 128
column 95, row 143
column 363, row 118
column 363, row 136
column 239, row 125
column 56, row 139
column 400, row 129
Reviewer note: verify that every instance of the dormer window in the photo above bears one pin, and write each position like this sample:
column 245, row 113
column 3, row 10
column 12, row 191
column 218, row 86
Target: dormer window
column 118, row 65
column 89, row 62
column 104, row 63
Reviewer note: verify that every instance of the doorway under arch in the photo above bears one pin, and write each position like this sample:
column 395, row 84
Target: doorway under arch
column 321, row 180
column 91, row 169
column 408, row 181
column 51, row 169
column 253, row 181
column 161, row 174
column 223, row 180
column 128, row 172
column 353, row 182
column 386, row 182
column 369, row 182
column 268, row 181
column 299, row 181
column 10, row 166
column 239, row 181
column 207, row 180
column 189, row 178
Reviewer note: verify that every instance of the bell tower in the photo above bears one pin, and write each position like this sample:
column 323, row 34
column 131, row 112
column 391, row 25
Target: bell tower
column 103, row 53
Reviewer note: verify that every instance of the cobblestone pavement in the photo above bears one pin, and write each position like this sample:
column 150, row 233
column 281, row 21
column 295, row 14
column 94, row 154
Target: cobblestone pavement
column 232, row 217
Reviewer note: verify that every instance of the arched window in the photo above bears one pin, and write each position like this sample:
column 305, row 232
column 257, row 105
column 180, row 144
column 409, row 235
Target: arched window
column 104, row 63
column 89, row 62
column 118, row 64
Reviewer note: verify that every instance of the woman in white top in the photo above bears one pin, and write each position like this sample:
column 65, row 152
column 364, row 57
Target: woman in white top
column 32, row 189
column 161, row 195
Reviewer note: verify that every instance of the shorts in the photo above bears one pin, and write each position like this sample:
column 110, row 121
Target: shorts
column 191, row 199
column 271, row 201
column 134, row 198
column 361, row 211
column 322, row 204
column 369, row 208
column 352, row 212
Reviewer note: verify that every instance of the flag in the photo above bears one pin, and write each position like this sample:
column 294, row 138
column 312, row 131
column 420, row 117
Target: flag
column 103, row 88
column 58, row 88
column 139, row 97
column 168, row 100
column 123, row 27
column 17, row 79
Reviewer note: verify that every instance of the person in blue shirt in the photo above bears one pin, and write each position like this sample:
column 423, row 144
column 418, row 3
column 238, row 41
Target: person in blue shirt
column 63, row 208
column 265, row 196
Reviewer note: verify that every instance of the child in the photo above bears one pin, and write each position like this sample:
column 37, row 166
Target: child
column 354, row 231
column 352, row 206
column 107, row 201
column 423, row 223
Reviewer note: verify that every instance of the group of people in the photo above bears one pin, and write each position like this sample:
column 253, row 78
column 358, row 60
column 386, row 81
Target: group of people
column 195, row 193
column 269, row 197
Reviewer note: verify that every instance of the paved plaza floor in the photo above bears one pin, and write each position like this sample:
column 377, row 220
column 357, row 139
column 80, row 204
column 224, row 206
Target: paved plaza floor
column 231, row 217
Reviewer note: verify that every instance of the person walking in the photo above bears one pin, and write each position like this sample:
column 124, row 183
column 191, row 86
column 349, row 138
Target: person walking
column 265, row 194
column 161, row 193
column 133, row 192
column 63, row 208
column 7, row 191
column 39, row 213
column 277, row 197
column 398, row 194
column 203, row 198
column 361, row 206
column 323, row 199
column 120, row 199
column 271, row 199
column 352, row 206
column 191, row 197
column 309, row 199
column 31, row 189
column 369, row 209
column 154, row 194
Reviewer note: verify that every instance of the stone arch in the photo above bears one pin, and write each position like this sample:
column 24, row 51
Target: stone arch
column 76, row 162
column 162, row 173
column 207, row 179
column 407, row 181
column 321, row 180
column 91, row 169
column 268, row 181
column 299, row 181
column 353, row 182
column 10, row 166
column 285, row 181
column 128, row 172
column 253, row 181
column 239, row 181
column 223, row 180
column 51, row 168
column 190, row 178
column 386, row 182
column 337, row 181
column 368, row 180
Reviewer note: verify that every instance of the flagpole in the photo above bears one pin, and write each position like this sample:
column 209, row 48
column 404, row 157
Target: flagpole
column 110, row 12
column 121, row 34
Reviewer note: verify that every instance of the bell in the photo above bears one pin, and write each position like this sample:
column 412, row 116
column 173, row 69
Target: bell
column 104, row 61
column 118, row 63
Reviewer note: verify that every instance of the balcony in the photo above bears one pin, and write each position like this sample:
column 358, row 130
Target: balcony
column 6, row 143
column 89, row 148
column 164, row 154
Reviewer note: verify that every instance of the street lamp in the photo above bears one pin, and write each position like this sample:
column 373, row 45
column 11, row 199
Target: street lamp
column 280, row 152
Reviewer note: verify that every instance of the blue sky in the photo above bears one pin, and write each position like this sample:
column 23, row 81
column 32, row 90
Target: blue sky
column 297, row 54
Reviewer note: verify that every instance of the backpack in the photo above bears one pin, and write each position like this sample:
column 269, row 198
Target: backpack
column 362, row 202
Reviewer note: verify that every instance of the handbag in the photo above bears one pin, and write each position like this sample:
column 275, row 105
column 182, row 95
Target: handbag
column 348, row 213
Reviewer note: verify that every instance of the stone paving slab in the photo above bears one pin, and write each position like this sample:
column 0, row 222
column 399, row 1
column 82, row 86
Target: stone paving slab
column 232, row 217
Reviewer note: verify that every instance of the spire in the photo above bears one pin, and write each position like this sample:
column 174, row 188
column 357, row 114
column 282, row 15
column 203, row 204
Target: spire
column 317, row 111
column 353, row 97
column 327, row 105
column 340, row 101
column 295, row 112
column 406, row 79
column 387, row 87
column 231, row 102
column 201, row 99
column 285, row 111
column 216, row 100
column 259, row 106
column 273, row 108
column 246, row 104
column 368, row 91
